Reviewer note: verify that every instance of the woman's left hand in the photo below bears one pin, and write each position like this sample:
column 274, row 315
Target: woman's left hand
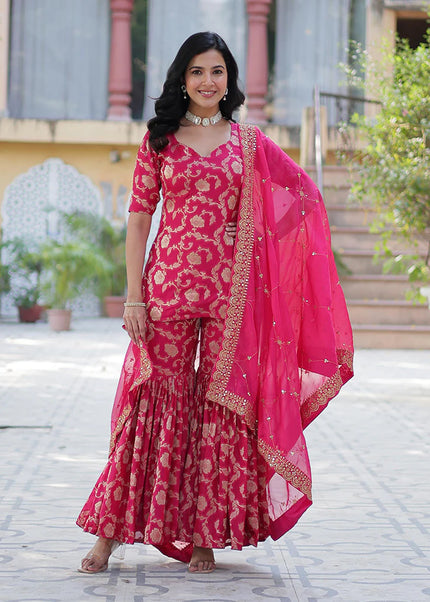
column 231, row 229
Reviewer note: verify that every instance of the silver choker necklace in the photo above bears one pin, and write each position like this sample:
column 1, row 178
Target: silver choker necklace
column 204, row 121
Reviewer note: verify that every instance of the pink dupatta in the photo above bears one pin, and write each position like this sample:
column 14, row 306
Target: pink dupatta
column 287, row 344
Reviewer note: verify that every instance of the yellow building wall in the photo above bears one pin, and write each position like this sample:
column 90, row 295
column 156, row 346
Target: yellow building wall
column 93, row 161
column 103, row 151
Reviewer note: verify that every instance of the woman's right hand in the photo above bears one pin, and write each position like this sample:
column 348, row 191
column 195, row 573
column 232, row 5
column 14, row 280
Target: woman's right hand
column 134, row 322
column 137, row 234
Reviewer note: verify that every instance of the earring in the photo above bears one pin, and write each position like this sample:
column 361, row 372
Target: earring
column 225, row 94
column 184, row 91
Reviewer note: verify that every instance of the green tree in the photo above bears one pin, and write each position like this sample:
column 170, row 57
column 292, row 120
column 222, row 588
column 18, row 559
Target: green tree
column 392, row 171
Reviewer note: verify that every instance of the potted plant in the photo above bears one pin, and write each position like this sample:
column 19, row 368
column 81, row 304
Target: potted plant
column 110, row 240
column 68, row 269
column 27, row 268
column 27, row 302
column 113, row 242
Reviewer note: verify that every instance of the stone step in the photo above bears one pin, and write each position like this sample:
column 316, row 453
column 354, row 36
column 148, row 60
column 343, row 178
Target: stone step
column 333, row 175
column 390, row 312
column 336, row 195
column 359, row 237
column 353, row 237
column 375, row 287
column 344, row 215
column 360, row 261
column 371, row 336
column 381, row 316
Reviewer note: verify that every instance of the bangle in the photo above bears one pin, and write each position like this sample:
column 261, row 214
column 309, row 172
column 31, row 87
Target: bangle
column 134, row 305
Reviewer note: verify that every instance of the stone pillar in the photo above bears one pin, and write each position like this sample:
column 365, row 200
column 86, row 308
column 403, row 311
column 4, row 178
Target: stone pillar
column 257, row 61
column 120, row 60
column 381, row 25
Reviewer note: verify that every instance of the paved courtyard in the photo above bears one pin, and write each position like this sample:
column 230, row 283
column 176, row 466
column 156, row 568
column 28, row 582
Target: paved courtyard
column 365, row 539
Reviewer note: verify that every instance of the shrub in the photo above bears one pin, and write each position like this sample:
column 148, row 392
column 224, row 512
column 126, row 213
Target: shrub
column 392, row 171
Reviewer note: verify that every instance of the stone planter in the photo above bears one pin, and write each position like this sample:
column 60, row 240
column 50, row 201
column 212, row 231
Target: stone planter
column 114, row 306
column 59, row 319
column 30, row 314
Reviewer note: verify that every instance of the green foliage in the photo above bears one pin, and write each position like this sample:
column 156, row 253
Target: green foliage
column 4, row 274
column 4, row 279
column 393, row 169
column 88, row 256
column 69, row 268
column 110, row 242
column 28, row 297
column 25, row 263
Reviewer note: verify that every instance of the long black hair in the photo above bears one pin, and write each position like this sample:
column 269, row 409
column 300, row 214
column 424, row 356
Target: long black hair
column 171, row 106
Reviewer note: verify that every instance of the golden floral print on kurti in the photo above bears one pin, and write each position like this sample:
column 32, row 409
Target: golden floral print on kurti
column 189, row 268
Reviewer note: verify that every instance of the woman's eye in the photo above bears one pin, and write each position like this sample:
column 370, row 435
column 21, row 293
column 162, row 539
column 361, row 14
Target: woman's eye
column 196, row 72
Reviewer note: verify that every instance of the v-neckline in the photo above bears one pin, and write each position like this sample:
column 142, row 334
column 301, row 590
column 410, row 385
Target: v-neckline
column 196, row 152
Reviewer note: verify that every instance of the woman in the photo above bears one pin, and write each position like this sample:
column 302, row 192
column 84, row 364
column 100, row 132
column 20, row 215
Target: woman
column 242, row 271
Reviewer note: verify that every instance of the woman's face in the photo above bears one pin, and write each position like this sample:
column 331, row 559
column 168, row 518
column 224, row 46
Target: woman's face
column 206, row 82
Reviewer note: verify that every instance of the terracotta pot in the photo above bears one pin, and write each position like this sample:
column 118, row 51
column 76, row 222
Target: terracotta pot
column 59, row 319
column 30, row 314
column 114, row 306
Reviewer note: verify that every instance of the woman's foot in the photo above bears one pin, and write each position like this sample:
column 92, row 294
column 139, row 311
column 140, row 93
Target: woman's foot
column 96, row 561
column 202, row 561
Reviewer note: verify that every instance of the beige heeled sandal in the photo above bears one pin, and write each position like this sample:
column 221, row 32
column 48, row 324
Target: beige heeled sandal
column 117, row 550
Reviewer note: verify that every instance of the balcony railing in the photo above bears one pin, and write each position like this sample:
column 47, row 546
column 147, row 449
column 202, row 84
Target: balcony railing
column 338, row 111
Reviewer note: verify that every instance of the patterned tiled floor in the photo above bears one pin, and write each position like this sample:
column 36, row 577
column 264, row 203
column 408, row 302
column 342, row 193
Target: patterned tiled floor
column 366, row 539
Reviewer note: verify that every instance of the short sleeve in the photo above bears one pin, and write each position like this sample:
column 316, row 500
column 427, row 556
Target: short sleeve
column 146, row 180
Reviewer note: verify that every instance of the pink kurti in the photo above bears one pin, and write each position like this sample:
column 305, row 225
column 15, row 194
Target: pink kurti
column 189, row 269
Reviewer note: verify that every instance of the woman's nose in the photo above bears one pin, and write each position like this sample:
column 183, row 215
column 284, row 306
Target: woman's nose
column 207, row 78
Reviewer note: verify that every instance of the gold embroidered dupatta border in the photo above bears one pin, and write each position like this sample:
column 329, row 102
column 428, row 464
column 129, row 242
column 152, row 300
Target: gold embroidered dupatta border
column 217, row 390
column 136, row 370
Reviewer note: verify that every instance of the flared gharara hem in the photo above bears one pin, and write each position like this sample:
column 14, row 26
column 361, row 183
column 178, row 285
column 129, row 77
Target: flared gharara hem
column 182, row 551
column 177, row 550
column 184, row 469
column 174, row 549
